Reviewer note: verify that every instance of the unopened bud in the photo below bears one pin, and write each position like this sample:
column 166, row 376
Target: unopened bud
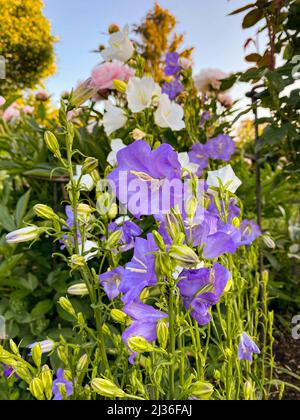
column 162, row 333
column 138, row 134
column 191, row 207
column 82, row 364
column 201, row 390
column 139, row 345
column 113, row 211
column 114, row 239
column 159, row 241
column 89, row 165
column 119, row 316
column 37, row 389
column 77, row 261
column 44, row 212
column 23, row 235
column 83, row 93
column 47, row 381
column 36, row 353
column 107, row 388
column 113, row 28
column 120, row 86
column 79, row 289
column 184, row 256
column 52, row 144
column 67, row 306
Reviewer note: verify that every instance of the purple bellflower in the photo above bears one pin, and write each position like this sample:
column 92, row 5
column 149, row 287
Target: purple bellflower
column 247, row 348
column 129, row 232
column 221, row 147
column 141, row 175
column 140, row 272
column 172, row 89
column 199, row 155
column 61, row 381
column 111, row 281
column 173, row 66
column 201, row 289
column 250, row 231
column 144, row 323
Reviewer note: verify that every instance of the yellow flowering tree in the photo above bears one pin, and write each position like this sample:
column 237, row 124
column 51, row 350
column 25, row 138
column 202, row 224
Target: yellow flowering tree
column 26, row 44
column 157, row 38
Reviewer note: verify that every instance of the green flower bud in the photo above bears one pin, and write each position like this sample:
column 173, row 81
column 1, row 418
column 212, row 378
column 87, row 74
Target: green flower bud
column 79, row 289
column 47, row 380
column 184, row 256
column 14, row 347
column 119, row 316
column 201, row 390
column 159, row 241
column 89, row 165
column 120, row 86
column 37, row 389
column 67, row 306
column 44, row 212
column 172, row 225
column 162, row 333
column 37, row 355
column 114, row 239
column 236, row 222
column 107, row 388
column 191, row 207
column 62, row 353
column 139, row 345
column 82, row 93
column 113, row 211
column 82, row 364
column 52, row 144
column 77, row 261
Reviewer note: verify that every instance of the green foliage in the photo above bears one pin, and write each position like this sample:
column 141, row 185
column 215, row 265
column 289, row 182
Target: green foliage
column 26, row 44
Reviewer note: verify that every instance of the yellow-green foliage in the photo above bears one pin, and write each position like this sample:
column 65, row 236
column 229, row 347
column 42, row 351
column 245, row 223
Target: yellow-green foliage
column 26, row 44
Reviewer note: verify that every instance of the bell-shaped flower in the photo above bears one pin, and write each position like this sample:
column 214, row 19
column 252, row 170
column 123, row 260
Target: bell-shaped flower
column 120, row 47
column 169, row 114
column 129, row 232
column 114, row 118
column 111, row 282
column 140, row 93
column 247, row 348
column 226, row 176
column 140, row 272
column 116, row 146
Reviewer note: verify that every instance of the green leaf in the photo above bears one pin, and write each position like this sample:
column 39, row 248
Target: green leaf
column 6, row 219
column 252, row 18
column 242, row 9
column 9, row 264
column 41, row 309
column 22, row 208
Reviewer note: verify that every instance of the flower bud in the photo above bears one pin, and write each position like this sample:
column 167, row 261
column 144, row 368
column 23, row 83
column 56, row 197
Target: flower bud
column 184, row 256
column 113, row 28
column 67, row 306
column 269, row 241
column 77, row 261
column 89, row 165
column 120, row 86
column 14, row 347
column 172, row 225
column 82, row 364
column 23, row 235
column 201, row 390
column 37, row 389
column 42, row 96
column 162, row 333
column 236, row 222
column 119, row 316
column 139, row 345
column 191, row 207
column 62, row 353
column 217, row 375
column 138, row 134
column 79, row 289
column 84, row 212
column 52, row 144
column 81, row 320
column 107, row 388
column 44, row 212
column 249, row 391
column 36, row 353
column 159, row 241
column 114, row 239
column 83, row 93
column 113, row 211
column 47, row 381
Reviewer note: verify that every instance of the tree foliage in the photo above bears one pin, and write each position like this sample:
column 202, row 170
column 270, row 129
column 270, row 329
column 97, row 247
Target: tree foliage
column 157, row 38
column 26, row 44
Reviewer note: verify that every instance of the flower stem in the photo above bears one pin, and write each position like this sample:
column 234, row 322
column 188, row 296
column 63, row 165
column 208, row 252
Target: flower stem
column 172, row 343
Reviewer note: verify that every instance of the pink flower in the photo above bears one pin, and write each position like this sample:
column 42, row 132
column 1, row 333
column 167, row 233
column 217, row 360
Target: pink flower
column 225, row 99
column 42, row 96
column 27, row 109
column 2, row 101
column 11, row 112
column 209, row 79
column 104, row 74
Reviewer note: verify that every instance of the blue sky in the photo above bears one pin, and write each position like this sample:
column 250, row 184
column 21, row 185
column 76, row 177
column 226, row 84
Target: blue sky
column 81, row 25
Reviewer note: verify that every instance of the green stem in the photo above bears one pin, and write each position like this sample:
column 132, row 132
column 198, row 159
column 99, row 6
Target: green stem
column 172, row 344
